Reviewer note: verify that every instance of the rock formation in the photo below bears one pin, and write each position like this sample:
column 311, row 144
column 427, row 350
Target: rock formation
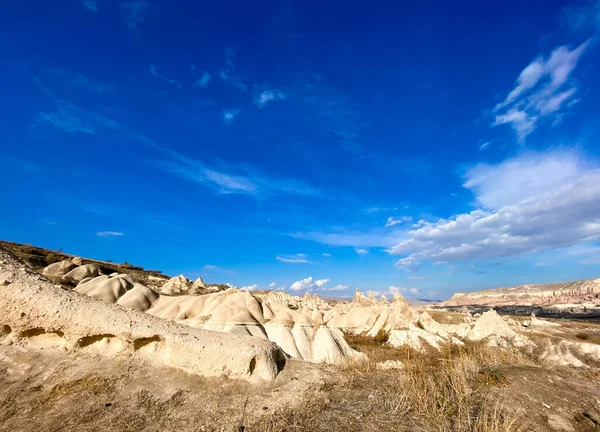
column 300, row 332
column 34, row 312
column 82, row 272
column 577, row 292
column 180, row 285
column 58, row 269
column 370, row 316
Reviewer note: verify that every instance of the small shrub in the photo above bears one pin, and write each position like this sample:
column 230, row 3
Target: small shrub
column 492, row 376
column 382, row 336
column 583, row 336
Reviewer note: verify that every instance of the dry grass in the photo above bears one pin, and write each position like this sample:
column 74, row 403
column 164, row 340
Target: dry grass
column 442, row 392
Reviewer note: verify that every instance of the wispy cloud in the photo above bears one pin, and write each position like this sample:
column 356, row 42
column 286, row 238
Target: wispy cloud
column 154, row 72
column 203, row 81
column 229, row 115
column 71, row 119
column 263, row 98
column 542, row 90
column 583, row 18
column 292, row 259
column 48, row 222
column 485, row 145
column 108, row 234
column 391, row 221
column 336, row 288
column 230, row 179
column 228, row 74
column 136, row 12
column 360, row 251
column 308, row 284
column 214, row 268
column 90, row 5
column 344, row 237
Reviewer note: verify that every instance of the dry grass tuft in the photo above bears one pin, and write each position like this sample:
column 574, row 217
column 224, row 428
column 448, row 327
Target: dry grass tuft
column 449, row 391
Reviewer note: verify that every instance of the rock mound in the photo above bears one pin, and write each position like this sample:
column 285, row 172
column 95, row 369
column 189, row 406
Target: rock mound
column 58, row 269
column 35, row 312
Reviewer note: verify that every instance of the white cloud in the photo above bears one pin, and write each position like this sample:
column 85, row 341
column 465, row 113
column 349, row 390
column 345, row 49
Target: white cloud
column 294, row 259
column 532, row 203
column 48, row 222
column 272, row 285
column 373, row 238
column 485, row 145
column 263, row 98
column 404, row 290
column 360, row 251
column 203, row 81
column 250, row 287
column 541, row 90
column 308, row 284
column 110, row 234
column 154, row 72
column 326, row 254
column 525, row 176
column 91, row 5
column 391, row 221
column 229, row 115
column 337, row 288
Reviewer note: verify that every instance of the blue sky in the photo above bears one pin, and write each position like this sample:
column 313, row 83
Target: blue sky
column 426, row 148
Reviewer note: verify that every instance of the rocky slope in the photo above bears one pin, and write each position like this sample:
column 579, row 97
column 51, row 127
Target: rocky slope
column 565, row 293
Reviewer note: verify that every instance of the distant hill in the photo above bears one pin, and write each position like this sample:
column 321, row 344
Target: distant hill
column 562, row 293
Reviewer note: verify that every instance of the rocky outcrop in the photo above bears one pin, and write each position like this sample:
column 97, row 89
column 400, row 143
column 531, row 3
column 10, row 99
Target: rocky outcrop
column 573, row 293
column 80, row 273
column 58, row 269
column 38, row 314
column 300, row 332
column 180, row 285
column 367, row 315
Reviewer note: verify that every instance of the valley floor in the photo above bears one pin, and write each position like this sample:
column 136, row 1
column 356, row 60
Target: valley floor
column 471, row 388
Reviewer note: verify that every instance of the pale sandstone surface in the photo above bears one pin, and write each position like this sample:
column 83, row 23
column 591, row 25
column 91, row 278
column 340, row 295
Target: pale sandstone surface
column 43, row 389
column 35, row 312
column 300, row 333
column 59, row 269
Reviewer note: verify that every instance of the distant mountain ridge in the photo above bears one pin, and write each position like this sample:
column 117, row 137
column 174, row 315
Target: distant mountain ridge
column 576, row 292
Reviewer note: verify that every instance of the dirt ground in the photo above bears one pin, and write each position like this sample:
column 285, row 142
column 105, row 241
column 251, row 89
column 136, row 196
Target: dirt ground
column 44, row 389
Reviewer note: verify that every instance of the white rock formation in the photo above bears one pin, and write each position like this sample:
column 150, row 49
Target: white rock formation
column 370, row 316
column 58, row 269
column 300, row 333
column 38, row 314
column 82, row 272
column 179, row 285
